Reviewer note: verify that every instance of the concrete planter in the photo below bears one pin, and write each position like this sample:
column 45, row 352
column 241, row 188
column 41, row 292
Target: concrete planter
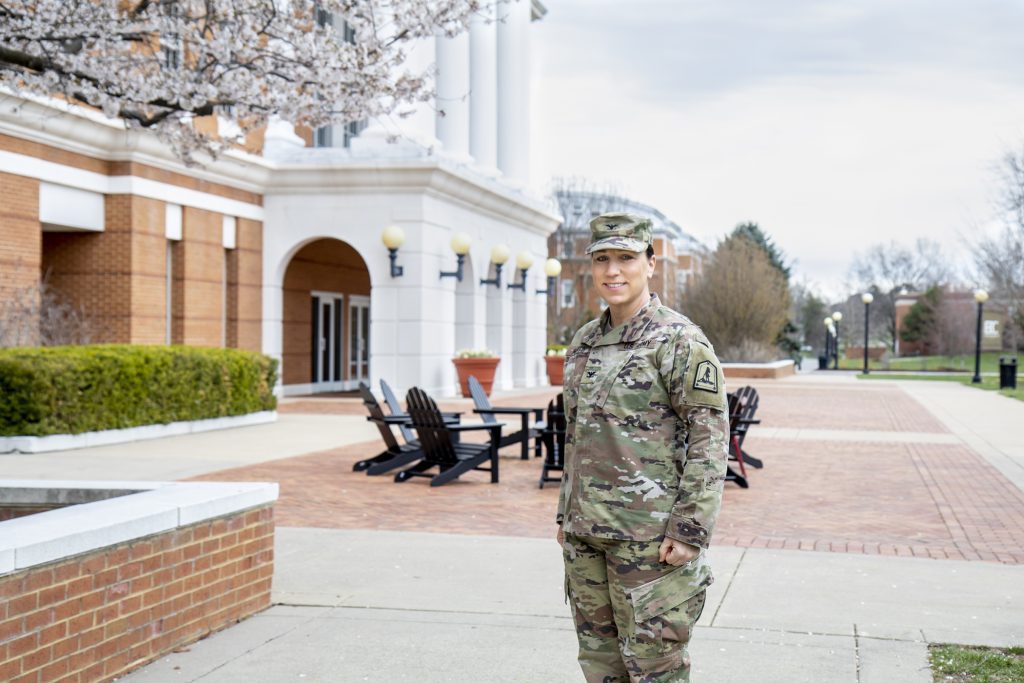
column 481, row 368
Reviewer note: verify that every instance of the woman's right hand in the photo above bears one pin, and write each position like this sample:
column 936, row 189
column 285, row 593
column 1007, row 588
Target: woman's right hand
column 560, row 536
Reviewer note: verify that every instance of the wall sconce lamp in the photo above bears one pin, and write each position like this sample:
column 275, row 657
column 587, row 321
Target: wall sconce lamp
column 393, row 237
column 460, row 245
column 524, row 260
column 499, row 255
column 552, row 268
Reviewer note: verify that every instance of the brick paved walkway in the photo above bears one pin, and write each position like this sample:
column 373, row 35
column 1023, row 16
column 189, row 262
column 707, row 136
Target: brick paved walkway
column 931, row 500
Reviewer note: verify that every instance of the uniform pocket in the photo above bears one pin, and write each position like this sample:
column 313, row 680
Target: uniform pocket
column 671, row 590
column 597, row 385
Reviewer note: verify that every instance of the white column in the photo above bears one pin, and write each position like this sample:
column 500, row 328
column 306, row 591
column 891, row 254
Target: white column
column 452, row 93
column 409, row 131
column 418, row 125
column 483, row 101
column 514, row 91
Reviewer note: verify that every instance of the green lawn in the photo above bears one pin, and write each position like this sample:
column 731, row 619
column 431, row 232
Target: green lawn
column 964, row 363
column 988, row 383
column 965, row 664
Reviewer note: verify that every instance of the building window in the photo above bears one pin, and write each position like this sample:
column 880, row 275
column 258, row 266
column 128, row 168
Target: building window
column 171, row 44
column 352, row 130
column 568, row 294
column 324, row 137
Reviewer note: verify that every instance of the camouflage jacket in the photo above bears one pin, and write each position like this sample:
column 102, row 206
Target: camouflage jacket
column 647, row 430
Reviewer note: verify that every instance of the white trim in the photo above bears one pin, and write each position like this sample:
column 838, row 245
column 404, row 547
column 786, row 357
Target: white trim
column 48, row 171
column 172, row 221
column 229, row 232
column 63, row 208
column 65, row 442
column 120, row 511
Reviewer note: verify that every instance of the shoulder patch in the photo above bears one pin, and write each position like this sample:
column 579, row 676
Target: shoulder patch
column 705, row 377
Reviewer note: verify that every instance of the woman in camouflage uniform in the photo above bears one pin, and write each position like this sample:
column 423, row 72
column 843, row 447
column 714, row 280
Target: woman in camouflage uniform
column 647, row 432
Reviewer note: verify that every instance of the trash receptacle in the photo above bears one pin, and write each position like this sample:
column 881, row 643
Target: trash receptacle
column 823, row 362
column 1007, row 372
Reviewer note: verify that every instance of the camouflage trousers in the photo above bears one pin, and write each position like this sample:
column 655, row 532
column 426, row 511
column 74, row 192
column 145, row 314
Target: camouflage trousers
column 633, row 613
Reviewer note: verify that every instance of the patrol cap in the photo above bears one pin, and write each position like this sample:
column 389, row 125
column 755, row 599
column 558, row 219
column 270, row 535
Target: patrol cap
column 619, row 231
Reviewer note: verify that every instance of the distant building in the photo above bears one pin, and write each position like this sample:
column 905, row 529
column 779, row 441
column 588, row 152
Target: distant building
column 956, row 325
column 680, row 259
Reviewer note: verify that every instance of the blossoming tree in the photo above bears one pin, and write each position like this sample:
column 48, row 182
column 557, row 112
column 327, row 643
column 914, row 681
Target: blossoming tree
column 158, row 64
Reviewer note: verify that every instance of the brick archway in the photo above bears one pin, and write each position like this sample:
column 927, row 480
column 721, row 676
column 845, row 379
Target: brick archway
column 325, row 335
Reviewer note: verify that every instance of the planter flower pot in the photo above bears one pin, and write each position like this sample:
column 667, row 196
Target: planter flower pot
column 481, row 368
column 556, row 369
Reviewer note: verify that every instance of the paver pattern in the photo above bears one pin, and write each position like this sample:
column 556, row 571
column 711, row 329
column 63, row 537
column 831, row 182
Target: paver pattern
column 321, row 490
column 875, row 406
column 940, row 501
column 929, row 500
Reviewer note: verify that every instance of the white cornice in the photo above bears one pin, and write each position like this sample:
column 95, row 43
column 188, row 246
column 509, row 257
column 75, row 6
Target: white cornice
column 89, row 133
column 432, row 175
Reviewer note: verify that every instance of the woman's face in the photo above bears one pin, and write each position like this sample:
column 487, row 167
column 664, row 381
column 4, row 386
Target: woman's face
column 621, row 277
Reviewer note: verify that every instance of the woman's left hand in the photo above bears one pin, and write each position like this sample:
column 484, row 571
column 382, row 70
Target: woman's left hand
column 676, row 553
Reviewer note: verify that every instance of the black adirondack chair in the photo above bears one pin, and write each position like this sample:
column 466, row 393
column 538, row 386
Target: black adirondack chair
column 395, row 406
column 735, row 454
column 532, row 419
column 553, row 438
column 396, row 455
column 749, row 400
column 451, row 459
column 396, row 409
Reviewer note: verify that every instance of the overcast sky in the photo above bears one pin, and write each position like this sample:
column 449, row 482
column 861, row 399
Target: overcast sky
column 833, row 124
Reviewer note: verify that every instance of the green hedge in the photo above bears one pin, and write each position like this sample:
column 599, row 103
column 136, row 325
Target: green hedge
column 75, row 389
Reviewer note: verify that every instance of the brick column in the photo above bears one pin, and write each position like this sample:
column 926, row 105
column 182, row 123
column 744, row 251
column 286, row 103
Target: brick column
column 20, row 233
column 199, row 279
column 245, row 287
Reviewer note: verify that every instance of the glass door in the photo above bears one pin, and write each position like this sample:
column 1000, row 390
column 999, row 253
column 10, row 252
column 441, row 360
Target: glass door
column 359, row 340
column 327, row 340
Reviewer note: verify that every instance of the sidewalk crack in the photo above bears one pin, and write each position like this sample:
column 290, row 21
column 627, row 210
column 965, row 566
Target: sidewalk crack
column 856, row 650
column 728, row 586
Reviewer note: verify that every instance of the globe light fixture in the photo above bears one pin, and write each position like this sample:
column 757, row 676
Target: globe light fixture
column 524, row 260
column 552, row 268
column 460, row 244
column 393, row 237
column 499, row 256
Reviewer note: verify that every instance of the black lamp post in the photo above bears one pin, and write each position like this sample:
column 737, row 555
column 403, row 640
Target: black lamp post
column 837, row 316
column 829, row 327
column 867, row 298
column 981, row 296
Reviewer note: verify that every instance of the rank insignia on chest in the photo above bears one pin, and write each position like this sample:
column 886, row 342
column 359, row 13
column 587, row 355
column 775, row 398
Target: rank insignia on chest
column 706, row 377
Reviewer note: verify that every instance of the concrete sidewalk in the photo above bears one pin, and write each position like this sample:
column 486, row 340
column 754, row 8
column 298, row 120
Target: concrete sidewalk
column 357, row 605
column 396, row 606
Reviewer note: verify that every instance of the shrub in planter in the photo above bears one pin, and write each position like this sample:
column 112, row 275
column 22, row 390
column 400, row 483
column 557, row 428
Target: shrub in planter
column 555, row 362
column 479, row 363
column 75, row 389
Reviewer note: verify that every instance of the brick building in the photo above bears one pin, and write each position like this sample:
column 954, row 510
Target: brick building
column 679, row 259
column 278, row 248
column 956, row 325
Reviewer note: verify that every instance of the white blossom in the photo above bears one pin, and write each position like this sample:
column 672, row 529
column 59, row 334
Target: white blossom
column 157, row 64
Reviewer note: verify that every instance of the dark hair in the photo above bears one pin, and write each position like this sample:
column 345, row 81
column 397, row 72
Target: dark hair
column 650, row 251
